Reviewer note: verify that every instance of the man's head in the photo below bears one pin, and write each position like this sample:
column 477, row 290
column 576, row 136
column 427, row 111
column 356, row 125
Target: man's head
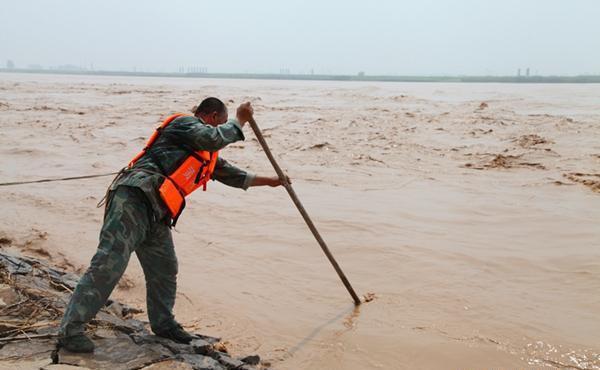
column 212, row 111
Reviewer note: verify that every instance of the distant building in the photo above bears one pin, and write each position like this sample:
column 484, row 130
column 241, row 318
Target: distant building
column 527, row 72
column 69, row 67
column 10, row 64
column 197, row 69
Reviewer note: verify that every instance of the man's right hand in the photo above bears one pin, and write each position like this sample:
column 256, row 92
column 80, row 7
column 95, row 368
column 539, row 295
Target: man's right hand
column 244, row 113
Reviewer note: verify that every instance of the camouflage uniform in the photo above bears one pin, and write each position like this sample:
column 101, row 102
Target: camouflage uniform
column 137, row 221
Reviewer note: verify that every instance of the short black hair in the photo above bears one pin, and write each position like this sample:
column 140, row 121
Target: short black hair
column 210, row 105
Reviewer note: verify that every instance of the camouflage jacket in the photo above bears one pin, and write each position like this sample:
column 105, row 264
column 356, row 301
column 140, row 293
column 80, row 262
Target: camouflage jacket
column 166, row 149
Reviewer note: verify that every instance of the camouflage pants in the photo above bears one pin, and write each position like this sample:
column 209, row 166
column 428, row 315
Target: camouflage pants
column 129, row 226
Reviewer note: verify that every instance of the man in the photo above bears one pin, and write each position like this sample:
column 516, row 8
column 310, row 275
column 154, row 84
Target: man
column 143, row 203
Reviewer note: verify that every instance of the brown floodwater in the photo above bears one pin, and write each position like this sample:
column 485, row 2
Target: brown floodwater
column 475, row 226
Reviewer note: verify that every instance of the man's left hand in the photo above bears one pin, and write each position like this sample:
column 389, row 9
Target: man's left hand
column 276, row 181
column 273, row 181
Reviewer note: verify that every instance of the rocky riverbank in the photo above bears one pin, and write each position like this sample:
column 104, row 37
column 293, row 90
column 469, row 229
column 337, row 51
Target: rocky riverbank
column 33, row 296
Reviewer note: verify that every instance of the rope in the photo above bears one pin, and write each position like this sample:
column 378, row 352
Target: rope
column 59, row 179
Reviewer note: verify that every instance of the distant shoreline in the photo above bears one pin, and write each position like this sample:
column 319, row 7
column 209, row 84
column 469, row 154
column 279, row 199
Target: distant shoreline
column 315, row 77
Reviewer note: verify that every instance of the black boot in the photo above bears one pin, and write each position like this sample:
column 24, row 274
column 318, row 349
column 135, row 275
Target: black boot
column 176, row 334
column 78, row 343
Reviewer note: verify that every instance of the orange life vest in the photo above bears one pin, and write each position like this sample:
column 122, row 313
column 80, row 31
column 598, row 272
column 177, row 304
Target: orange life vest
column 194, row 171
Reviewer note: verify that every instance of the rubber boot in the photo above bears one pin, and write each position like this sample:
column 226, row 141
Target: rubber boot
column 78, row 343
column 176, row 334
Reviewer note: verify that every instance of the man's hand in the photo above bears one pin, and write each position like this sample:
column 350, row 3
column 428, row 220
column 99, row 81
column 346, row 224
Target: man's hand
column 273, row 181
column 244, row 113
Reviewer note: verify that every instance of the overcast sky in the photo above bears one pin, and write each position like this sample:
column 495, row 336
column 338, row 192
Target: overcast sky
column 401, row 37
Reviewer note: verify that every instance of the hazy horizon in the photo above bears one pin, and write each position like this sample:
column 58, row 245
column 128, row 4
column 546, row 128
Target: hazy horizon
column 465, row 37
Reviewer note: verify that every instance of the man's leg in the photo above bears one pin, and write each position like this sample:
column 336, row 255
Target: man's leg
column 158, row 260
column 126, row 224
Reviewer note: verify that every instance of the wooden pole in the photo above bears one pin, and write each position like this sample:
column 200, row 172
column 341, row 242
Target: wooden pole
column 300, row 207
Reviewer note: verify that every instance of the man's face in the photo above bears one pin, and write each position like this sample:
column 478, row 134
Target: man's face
column 216, row 119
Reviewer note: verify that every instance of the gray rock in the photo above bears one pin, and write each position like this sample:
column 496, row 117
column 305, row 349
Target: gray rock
column 116, row 354
column 228, row 362
column 114, row 307
column 200, row 362
column 120, row 309
column 169, row 365
column 15, row 265
column 69, row 279
column 28, row 350
column 59, row 277
column 24, row 364
column 107, row 333
column 64, row 367
column 202, row 347
column 105, row 319
column 251, row 360
column 39, row 284
column 140, row 327
column 211, row 340
column 174, row 347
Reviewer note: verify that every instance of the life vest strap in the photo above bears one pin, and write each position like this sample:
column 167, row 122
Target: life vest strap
column 179, row 182
column 158, row 164
column 175, row 217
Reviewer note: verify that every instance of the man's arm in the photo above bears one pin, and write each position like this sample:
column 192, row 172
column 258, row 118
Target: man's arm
column 230, row 175
column 269, row 181
column 200, row 136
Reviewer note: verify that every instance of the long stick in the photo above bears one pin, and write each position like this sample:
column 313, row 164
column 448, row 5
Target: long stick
column 300, row 207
